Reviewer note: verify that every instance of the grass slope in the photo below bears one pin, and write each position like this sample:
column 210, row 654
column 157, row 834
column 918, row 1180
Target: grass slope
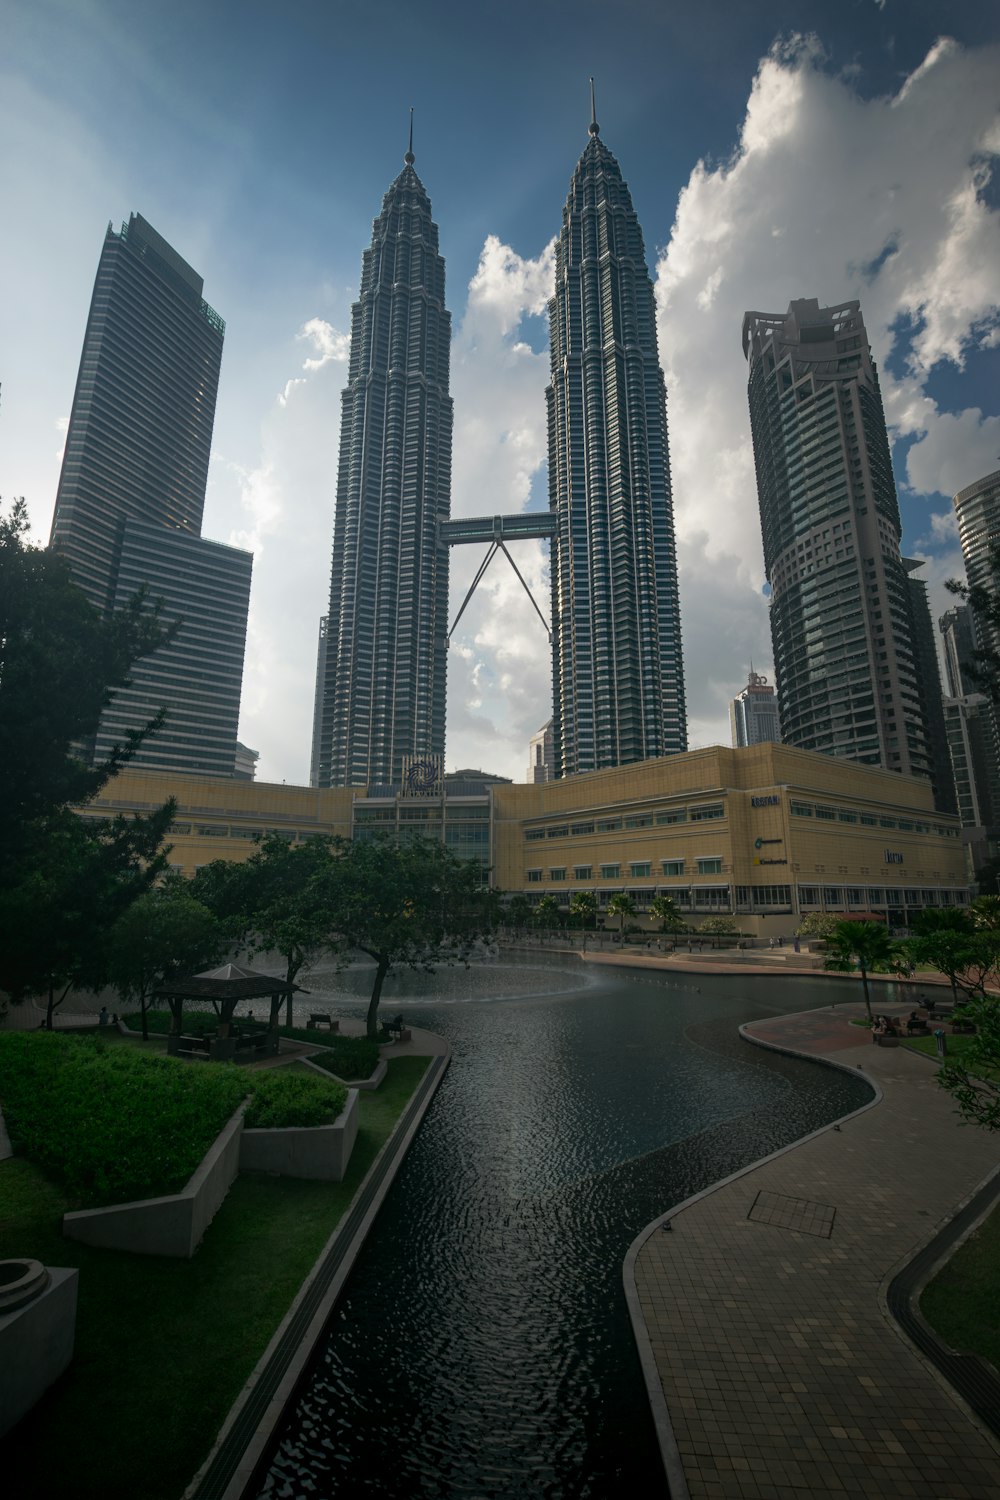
column 164, row 1347
column 962, row 1303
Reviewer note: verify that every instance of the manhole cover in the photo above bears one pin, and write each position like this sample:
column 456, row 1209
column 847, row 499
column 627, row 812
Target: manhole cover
column 793, row 1213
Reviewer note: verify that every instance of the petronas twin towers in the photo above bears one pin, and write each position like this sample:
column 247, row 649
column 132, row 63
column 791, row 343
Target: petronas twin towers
column 618, row 685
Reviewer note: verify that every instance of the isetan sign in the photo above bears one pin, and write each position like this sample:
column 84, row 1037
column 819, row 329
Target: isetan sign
column 771, row 800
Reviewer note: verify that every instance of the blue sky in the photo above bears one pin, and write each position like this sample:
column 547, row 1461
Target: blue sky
column 773, row 151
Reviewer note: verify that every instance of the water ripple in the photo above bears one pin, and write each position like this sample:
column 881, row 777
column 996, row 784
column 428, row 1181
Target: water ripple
column 482, row 1347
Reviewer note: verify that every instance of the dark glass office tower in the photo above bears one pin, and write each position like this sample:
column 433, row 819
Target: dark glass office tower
column 846, row 650
column 382, row 695
column 132, row 492
column 618, row 682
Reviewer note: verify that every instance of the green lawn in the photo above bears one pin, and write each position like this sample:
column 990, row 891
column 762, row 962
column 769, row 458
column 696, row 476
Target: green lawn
column 927, row 1044
column 962, row 1303
column 163, row 1347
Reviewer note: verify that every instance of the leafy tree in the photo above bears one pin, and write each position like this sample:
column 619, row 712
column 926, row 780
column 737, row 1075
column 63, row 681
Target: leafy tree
column 583, row 906
column 621, row 906
column 164, row 934
column 816, row 924
column 863, row 945
column 986, row 913
column 947, row 940
column 664, row 910
column 547, row 912
column 411, row 904
column 518, row 911
column 63, row 880
column 973, row 1078
column 718, row 927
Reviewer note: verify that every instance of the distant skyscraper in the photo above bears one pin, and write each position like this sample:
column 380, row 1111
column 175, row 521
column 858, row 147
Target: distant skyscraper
column 541, row 758
column 618, row 682
column 132, row 492
column 382, row 697
column 753, row 716
column 970, row 722
column 842, row 623
column 977, row 509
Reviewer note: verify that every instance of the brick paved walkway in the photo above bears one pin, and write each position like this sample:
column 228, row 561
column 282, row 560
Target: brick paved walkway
column 782, row 1374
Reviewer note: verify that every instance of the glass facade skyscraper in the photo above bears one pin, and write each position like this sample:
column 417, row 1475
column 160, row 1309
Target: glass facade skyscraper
column 618, row 682
column 846, row 654
column 132, row 493
column 381, row 697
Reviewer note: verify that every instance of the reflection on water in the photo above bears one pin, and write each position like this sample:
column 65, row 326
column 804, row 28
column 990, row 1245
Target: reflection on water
column 482, row 1346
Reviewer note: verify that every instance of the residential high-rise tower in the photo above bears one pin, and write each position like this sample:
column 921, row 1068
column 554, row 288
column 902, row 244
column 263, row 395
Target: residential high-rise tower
column 132, row 492
column 618, row 682
column 842, row 607
column 383, row 653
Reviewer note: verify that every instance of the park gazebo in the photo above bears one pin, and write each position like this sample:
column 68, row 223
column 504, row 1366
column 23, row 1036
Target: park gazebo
column 225, row 987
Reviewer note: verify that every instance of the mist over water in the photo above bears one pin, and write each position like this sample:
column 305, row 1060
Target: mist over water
column 482, row 1346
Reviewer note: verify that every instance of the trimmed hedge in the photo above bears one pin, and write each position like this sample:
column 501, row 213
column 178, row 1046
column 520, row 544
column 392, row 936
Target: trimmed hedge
column 347, row 1056
column 281, row 1099
column 113, row 1124
column 196, row 1022
column 109, row 1123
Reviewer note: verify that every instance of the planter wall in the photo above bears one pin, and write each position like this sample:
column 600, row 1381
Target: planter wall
column 172, row 1225
column 321, row 1152
column 36, row 1344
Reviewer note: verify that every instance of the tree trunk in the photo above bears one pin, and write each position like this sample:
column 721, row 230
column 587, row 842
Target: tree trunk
column 864, row 983
column 372, row 1023
column 54, row 1003
column 143, row 1009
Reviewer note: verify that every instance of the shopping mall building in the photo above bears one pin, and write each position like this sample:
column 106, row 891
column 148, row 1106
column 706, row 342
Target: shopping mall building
column 764, row 835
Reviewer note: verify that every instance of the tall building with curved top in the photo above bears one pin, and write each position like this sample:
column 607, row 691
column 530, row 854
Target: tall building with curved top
column 847, row 655
column 618, row 681
column 381, row 697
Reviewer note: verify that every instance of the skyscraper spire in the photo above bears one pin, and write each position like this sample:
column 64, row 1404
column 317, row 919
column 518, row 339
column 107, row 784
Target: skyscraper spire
column 381, row 682
column 409, row 158
column 618, row 683
column 594, row 128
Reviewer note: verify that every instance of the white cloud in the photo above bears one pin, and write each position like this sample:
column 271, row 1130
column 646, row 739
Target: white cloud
column 499, row 672
column 833, row 196
column 329, row 344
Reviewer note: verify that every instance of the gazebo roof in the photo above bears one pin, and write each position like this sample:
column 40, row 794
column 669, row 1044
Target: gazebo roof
column 230, row 982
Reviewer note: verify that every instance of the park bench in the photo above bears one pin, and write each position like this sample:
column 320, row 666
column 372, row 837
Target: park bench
column 251, row 1041
column 320, row 1018
column 194, row 1046
column 398, row 1031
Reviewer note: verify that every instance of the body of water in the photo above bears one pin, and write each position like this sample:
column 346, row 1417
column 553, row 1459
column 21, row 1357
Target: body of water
column 482, row 1346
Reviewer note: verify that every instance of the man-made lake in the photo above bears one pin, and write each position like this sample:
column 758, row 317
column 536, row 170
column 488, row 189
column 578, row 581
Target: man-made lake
column 482, row 1346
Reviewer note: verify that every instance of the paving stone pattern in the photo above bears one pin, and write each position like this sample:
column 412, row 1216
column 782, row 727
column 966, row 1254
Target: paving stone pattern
column 782, row 1372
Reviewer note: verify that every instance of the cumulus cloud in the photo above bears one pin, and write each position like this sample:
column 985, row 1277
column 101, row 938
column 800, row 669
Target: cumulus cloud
column 832, row 195
column 499, row 674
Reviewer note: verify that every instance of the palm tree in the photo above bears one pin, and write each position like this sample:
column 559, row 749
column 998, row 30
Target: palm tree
column 583, row 904
column 664, row 910
column 865, row 945
column 547, row 911
column 621, row 905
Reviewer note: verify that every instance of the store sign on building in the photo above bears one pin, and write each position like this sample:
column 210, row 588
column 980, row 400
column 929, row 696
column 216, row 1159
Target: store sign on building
column 423, row 775
column 771, row 800
column 893, row 857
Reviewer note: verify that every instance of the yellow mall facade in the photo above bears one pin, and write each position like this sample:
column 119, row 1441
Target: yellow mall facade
column 763, row 835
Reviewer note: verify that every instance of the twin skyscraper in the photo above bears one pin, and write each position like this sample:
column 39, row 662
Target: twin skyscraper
column 618, row 683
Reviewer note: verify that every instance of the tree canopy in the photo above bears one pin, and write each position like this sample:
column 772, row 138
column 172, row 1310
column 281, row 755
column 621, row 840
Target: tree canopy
column 163, row 934
column 411, row 904
column 63, row 880
column 863, row 945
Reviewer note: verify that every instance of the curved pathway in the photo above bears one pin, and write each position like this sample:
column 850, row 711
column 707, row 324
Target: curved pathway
column 774, row 1370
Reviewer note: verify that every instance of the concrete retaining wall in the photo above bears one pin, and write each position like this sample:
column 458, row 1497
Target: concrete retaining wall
column 173, row 1225
column 321, row 1152
column 36, row 1345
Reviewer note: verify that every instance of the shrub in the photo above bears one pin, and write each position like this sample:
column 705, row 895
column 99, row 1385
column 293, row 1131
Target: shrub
column 110, row 1123
column 347, row 1056
column 281, row 1098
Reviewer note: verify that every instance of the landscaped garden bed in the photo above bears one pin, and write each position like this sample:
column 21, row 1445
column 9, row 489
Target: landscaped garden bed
column 115, row 1125
column 144, row 1323
column 345, row 1056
